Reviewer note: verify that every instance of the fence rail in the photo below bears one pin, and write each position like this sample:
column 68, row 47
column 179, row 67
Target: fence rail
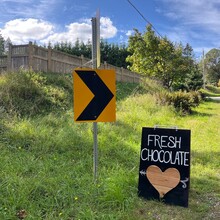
column 30, row 56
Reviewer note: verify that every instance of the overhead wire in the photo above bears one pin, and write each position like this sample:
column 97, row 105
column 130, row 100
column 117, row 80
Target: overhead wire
column 144, row 17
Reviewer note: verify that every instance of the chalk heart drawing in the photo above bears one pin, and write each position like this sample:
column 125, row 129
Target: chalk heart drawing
column 165, row 181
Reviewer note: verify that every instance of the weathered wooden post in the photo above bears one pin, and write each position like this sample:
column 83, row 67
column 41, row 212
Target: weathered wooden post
column 105, row 65
column 9, row 63
column 49, row 61
column 82, row 60
column 30, row 55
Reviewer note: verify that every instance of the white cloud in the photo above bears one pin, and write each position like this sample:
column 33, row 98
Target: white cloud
column 129, row 33
column 27, row 8
column 21, row 31
column 107, row 29
column 197, row 13
column 192, row 21
column 83, row 31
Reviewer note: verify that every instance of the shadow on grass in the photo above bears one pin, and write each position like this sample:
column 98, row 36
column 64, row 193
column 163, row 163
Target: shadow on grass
column 196, row 113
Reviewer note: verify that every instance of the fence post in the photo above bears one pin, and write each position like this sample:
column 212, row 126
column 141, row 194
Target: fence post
column 30, row 55
column 82, row 60
column 9, row 63
column 49, row 61
column 122, row 73
column 105, row 65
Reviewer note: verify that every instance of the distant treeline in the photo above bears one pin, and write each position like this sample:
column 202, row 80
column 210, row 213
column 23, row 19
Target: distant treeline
column 111, row 53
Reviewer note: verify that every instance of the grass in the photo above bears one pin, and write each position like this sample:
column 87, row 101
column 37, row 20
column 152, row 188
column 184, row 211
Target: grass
column 46, row 166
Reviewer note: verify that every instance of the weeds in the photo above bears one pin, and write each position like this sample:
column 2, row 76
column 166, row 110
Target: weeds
column 27, row 93
column 46, row 169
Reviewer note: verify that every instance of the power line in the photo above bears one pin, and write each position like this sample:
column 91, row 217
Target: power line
column 144, row 17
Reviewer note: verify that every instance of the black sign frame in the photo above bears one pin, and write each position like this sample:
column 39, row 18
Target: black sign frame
column 165, row 148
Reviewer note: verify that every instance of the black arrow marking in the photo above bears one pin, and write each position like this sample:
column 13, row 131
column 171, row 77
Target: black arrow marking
column 102, row 95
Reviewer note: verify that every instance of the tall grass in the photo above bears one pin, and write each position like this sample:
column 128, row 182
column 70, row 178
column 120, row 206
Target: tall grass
column 46, row 167
column 27, row 93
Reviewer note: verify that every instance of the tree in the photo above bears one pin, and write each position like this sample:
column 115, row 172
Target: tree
column 212, row 66
column 111, row 53
column 114, row 54
column 2, row 42
column 161, row 59
column 155, row 57
column 193, row 78
column 6, row 45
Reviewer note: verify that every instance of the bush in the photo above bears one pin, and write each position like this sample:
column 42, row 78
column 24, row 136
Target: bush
column 182, row 101
column 28, row 93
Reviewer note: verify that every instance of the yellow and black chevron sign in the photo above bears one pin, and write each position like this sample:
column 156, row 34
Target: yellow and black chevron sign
column 94, row 95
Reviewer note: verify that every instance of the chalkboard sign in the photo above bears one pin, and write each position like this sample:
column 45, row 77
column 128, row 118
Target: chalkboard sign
column 164, row 172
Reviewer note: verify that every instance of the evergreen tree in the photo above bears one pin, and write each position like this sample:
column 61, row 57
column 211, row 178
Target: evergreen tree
column 2, row 42
column 6, row 45
column 111, row 53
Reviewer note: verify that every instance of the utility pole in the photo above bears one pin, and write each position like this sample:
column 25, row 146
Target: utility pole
column 203, row 69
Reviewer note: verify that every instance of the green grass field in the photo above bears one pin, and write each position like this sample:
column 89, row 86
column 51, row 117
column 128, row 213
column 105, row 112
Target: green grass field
column 46, row 166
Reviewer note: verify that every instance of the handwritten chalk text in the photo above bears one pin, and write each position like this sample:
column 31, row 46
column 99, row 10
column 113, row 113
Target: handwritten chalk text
column 164, row 141
column 178, row 157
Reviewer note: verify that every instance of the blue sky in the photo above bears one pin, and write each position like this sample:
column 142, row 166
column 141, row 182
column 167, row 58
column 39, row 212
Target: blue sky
column 196, row 22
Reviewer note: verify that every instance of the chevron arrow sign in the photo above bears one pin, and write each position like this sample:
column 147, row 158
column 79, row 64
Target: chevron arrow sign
column 94, row 95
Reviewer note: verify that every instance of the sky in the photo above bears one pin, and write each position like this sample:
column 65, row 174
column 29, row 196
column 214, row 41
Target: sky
column 196, row 22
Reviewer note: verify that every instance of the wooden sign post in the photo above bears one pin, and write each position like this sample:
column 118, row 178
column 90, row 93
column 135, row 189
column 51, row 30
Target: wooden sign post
column 165, row 165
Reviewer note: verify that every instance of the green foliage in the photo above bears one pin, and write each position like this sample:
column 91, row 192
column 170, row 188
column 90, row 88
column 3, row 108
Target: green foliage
column 111, row 53
column 193, row 79
column 182, row 101
column 2, row 41
column 46, row 164
column 159, row 58
column 212, row 66
column 78, row 49
column 27, row 93
column 114, row 54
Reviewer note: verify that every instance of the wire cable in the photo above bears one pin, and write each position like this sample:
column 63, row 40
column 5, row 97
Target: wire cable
column 144, row 17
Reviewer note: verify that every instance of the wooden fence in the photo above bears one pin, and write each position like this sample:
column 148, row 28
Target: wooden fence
column 30, row 56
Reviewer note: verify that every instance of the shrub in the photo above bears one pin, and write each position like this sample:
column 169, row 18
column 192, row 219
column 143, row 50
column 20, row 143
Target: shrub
column 182, row 101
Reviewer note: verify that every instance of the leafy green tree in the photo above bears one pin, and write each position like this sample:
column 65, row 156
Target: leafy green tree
column 161, row 59
column 2, row 41
column 155, row 57
column 193, row 78
column 212, row 66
